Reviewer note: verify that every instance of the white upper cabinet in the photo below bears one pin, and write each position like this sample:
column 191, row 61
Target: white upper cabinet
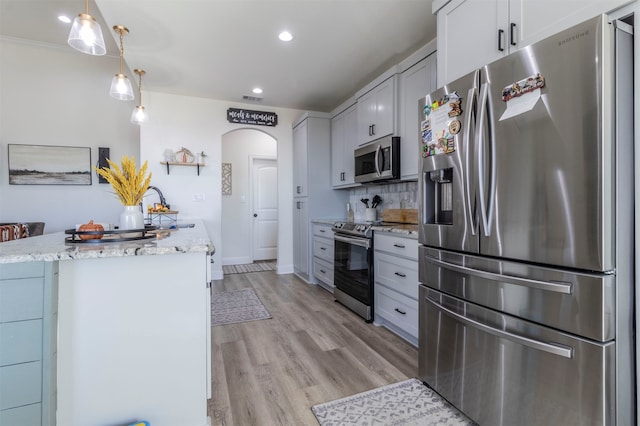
column 344, row 139
column 415, row 83
column 473, row 33
column 377, row 111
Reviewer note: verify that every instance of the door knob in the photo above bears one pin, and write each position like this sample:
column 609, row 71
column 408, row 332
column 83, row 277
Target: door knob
column 255, row 215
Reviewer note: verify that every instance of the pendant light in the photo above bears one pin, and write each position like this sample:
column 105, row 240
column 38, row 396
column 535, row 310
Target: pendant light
column 139, row 115
column 86, row 34
column 120, row 85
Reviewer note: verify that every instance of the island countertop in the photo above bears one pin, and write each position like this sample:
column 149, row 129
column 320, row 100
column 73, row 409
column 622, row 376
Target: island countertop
column 53, row 247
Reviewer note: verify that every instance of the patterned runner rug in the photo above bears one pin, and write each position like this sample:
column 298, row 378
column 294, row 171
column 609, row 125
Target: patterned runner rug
column 229, row 307
column 405, row 403
column 249, row 267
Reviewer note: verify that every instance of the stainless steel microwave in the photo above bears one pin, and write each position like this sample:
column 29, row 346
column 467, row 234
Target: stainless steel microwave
column 378, row 160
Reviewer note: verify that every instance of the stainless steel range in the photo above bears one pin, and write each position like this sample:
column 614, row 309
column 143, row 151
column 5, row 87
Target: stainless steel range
column 353, row 267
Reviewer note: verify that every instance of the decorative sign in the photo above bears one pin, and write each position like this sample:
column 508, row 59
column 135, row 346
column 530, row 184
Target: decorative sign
column 440, row 125
column 245, row 116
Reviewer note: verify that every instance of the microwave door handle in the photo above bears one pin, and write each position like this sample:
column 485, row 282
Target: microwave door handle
column 555, row 349
column 378, row 154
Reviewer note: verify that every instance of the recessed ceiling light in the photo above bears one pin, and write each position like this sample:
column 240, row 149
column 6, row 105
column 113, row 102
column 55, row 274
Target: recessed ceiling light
column 64, row 19
column 257, row 90
column 285, row 36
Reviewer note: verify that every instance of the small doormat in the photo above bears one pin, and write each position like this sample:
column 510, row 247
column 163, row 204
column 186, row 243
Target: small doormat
column 405, row 403
column 249, row 267
column 229, row 307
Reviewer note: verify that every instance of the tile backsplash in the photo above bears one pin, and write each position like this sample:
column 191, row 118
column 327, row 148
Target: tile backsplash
column 403, row 195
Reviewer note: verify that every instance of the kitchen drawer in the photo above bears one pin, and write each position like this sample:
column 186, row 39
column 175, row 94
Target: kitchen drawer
column 21, row 270
column 21, row 299
column 27, row 415
column 20, row 384
column 322, row 230
column 323, row 270
column 323, row 248
column 20, row 341
column 397, row 273
column 400, row 246
column 397, row 309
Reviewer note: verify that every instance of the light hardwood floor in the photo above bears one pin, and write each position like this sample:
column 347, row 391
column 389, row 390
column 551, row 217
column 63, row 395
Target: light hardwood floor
column 313, row 350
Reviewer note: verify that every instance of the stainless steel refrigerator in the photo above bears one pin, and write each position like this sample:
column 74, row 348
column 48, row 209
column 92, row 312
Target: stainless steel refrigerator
column 526, row 232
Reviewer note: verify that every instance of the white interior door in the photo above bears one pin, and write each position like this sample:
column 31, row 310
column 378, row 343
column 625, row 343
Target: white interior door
column 264, row 180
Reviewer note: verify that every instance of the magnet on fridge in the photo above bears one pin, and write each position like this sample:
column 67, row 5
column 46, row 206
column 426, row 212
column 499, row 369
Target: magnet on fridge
column 454, row 127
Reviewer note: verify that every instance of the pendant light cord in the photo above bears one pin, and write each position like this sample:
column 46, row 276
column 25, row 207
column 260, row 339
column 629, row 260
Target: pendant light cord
column 121, row 48
column 87, row 6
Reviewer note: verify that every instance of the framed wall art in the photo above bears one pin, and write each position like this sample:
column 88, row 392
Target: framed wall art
column 49, row 165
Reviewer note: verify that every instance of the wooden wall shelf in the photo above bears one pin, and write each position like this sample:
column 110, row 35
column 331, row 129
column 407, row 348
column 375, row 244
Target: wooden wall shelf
column 171, row 163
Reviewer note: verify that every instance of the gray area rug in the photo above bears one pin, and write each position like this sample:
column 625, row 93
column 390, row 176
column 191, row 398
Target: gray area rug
column 229, row 307
column 249, row 267
column 405, row 403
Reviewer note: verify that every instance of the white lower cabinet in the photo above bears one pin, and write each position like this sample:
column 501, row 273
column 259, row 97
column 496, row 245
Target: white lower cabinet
column 396, row 284
column 28, row 309
column 323, row 249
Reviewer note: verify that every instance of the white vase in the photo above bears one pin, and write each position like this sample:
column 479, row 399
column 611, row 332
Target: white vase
column 131, row 218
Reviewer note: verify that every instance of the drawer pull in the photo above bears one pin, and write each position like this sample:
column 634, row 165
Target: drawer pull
column 400, row 274
column 322, row 230
column 323, row 271
column 399, row 245
column 400, row 312
column 323, row 248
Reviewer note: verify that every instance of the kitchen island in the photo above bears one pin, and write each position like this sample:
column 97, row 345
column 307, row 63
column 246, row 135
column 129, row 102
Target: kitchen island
column 133, row 327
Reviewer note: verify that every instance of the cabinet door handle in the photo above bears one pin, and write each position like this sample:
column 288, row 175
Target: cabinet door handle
column 400, row 312
column 342, row 176
column 373, row 130
column 399, row 245
column 299, row 189
column 512, row 36
column 500, row 36
column 401, row 275
column 298, row 205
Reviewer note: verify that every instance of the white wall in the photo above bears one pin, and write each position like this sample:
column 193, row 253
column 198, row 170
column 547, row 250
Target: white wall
column 199, row 125
column 237, row 147
column 58, row 96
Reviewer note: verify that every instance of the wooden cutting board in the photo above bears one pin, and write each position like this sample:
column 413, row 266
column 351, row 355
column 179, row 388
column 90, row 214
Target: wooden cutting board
column 400, row 215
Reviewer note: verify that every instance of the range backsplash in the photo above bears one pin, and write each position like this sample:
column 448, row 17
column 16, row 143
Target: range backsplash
column 403, row 195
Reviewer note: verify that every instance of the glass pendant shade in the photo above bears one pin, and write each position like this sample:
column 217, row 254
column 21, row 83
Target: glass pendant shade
column 86, row 35
column 139, row 115
column 121, row 88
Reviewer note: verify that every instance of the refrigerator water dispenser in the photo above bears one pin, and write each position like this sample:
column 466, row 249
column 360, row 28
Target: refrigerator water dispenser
column 438, row 205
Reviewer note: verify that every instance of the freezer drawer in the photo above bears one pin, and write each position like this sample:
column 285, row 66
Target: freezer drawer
column 500, row 370
column 579, row 303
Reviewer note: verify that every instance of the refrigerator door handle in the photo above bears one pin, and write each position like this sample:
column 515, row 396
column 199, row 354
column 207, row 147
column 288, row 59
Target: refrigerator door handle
column 555, row 349
column 486, row 205
column 471, row 97
column 557, row 287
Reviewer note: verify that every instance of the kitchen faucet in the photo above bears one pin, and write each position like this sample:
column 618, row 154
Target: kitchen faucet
column 163, row 201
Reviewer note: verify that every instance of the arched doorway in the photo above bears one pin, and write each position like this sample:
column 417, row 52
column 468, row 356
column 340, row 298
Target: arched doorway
column 249, row 200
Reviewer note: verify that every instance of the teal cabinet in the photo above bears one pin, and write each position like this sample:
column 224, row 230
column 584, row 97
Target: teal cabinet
column 28, row 307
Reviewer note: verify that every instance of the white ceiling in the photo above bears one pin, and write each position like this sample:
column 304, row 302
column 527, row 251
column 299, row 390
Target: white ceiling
column 221, row 49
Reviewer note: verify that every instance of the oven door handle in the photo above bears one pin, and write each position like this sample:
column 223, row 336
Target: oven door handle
column 362, row 242
column 555, row 349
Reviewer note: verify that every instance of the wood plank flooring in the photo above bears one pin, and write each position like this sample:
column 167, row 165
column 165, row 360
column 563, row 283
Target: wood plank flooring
column 313, row 350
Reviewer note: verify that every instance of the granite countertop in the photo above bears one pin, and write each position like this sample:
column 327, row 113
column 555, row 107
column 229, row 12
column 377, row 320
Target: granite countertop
column 328, row 221
column 52, row 247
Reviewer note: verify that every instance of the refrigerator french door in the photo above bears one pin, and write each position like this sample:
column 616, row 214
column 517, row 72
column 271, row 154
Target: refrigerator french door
column 525, row 228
